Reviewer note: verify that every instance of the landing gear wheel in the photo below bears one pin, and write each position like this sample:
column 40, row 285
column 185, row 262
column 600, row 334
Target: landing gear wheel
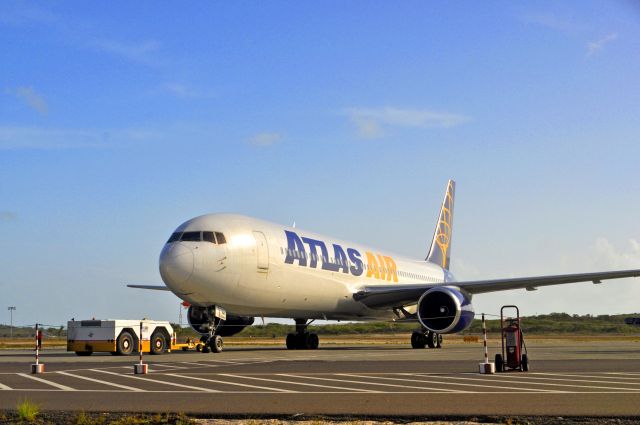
column 124, row 344
column 158, row 343
column 499, row 363
column 439, row 341
column 524, row 363
column 205, row 349
column 291, row 341
column 216, row 344
column 313, row 341
column 418, row 340
column 84, row 353
column 432, row 339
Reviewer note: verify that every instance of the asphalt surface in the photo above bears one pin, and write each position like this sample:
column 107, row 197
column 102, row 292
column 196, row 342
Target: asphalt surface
column 576, row 379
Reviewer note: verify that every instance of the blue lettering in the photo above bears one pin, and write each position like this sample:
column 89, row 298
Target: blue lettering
column 313, row 244
column 357, row 267
column 295, row 249
column 341, row 258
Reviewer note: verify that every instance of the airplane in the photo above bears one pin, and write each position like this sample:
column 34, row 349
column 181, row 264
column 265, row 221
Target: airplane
column 231, row 268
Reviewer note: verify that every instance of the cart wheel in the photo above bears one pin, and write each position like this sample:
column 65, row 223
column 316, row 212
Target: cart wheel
column 84, row 353
column 524, row 363
column 125, row 343
column 499, row 363
column 198, row 347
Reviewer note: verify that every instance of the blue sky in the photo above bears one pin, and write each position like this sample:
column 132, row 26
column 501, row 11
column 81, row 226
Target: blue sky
column 120, row 121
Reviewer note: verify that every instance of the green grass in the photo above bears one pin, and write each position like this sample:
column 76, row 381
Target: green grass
column 27, row 410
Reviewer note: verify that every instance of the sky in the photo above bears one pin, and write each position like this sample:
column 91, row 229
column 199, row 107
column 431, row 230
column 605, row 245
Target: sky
column 119, row 121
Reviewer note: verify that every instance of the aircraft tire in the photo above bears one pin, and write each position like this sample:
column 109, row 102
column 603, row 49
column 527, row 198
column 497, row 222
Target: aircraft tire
column 125, row 343
column 418, row 340
column 216, row 344
column 291, row 341
column 314, row 341
column 439, row 345
column 432, row 339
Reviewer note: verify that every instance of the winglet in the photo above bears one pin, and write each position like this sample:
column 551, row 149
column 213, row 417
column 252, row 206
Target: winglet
column 440, row 251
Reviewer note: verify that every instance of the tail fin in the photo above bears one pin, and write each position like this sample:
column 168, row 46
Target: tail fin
column 440, row 251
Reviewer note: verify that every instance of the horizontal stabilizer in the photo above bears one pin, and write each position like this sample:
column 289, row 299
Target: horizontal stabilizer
column 153, row 287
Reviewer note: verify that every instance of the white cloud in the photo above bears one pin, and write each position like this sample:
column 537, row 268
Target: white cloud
column 31, row 98
column 370, row 122
column 13, row 138
column 608, row 256
column 137, row 52
column 594, row 47
column 8, row 216
column 185, row 92
column 265, row 139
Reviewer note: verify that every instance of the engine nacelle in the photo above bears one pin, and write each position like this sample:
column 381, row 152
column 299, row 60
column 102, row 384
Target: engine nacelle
column 200, row 317
column 445, row 310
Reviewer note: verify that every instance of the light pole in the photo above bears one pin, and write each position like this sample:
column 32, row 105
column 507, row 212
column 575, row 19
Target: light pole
column 11, row 310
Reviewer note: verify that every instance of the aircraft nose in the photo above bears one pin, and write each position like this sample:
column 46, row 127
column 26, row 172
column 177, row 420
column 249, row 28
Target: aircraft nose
column 176, row 264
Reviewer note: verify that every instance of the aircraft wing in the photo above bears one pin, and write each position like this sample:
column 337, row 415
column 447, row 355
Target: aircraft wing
column 381, row 296
column 154, row 287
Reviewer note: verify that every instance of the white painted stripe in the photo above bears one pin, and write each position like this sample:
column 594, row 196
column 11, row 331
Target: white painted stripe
column 526, row 381
column 357, row 382
column 301, row 383
column 86, row 378
column 53, row 384
column 583, row 376
column 206, row 390
column 398, row 385
column 233, row 383
column 4, row 387
column 477, row 385
column 575, row 380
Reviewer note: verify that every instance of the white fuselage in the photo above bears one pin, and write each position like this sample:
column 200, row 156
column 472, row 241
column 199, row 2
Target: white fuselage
column 258, row 268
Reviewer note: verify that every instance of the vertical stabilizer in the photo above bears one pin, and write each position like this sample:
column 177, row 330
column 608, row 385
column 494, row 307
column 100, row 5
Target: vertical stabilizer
column 440, row 251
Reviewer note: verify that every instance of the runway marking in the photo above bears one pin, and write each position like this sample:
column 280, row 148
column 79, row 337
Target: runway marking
column 155, row 381
column 583, row 376
column 578, row 380
column 5, row 387
column 233, row 383
column 404, row 386
column 100, row 381
column 528, row 381
column 359, row 382
column 53, row 384
column 536, row 391
column 301, row 383
column 478, row 385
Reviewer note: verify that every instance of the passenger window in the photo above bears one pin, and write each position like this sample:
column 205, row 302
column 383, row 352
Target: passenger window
column 220, row 237
column 191, row 236
column 208, row 237
column 175, row 237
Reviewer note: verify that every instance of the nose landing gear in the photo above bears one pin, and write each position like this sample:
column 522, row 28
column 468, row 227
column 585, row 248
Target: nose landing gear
column 212, row 342
column 423, row 338
column 302, row 340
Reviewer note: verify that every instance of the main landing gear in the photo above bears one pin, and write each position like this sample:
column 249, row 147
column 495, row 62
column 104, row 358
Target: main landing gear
column 424, row 338
column 302, row 340
column 212, row 342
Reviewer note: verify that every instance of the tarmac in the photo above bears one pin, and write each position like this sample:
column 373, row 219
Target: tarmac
column 566, row 379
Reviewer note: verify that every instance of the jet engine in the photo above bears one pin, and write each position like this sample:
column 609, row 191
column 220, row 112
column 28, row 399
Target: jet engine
column 200, row 317
column 445, row 310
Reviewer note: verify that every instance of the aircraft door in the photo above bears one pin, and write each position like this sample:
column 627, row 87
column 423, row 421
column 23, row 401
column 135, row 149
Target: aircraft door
column 262, row 250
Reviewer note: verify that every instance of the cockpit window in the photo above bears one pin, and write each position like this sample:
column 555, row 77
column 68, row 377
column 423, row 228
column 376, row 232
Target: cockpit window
column 174, row 237
column 220, row 237
column 208, row 237
column 191, row 236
